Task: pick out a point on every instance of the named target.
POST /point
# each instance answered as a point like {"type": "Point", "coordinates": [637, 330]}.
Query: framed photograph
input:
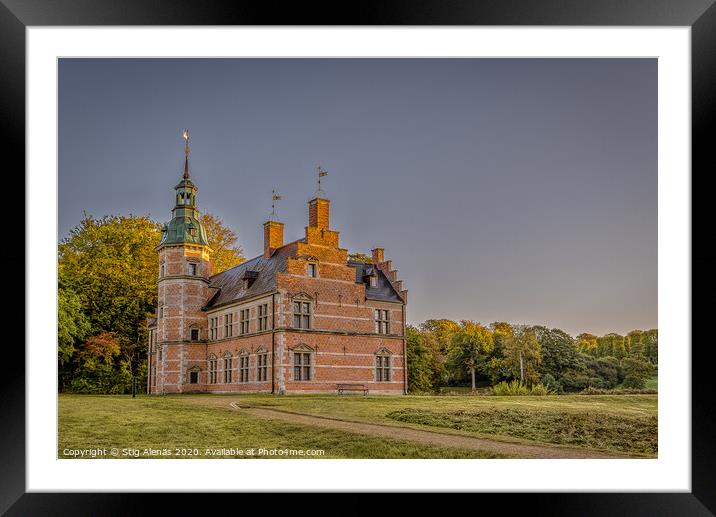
{"type": "Point", "coordinates": [422, 250]}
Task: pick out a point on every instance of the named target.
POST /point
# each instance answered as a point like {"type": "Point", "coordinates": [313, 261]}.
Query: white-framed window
{"type": "Point", "coordinates": [373, 281]}
{"type": "Point", "coordinates": [228, 324]}
{"type": "Point", "coordinates": [382, 321]}
{"type": "Point", "coordinates": [212, 369]}
{"type": "Point", "coordinates": [312, 269]}
{"type": "Point", "coordinates": [301, 315]}
{"type": "Point", "coordinates": [262, 367]}
{"type": "Point", "coordinates": [302, 365]}
{"type": "Point", "coordinates": [263, 316]}
{"type": "Point", "coordinates": [382, 367]}
{"type": "Point", "coordinates": [213, 327]}
{"type": "Point", "coordinates": [194, 334]}
{"type": "Point", "coordinates": [192, 268]}
{"type": "Point", "coordinates": [244, 321]}
{"type": "Point", "coordinates": [227, 368]}
{"type": "Point", "coordinates": [244, 367]}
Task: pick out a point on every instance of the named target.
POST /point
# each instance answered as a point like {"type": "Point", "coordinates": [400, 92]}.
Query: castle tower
{"type": "Point", "coordinates": [184, 271]}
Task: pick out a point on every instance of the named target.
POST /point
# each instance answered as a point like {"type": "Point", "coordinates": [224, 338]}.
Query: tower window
{"type": "Point", "coordinates": [312, 270]}
{"type": "Point", "coordinates": [192, 269]}
{"type": "Point", "coordinates": [161, 271]}
{"type": "Point", "coordinates": [195, 334]}
{"type": "Point", "coordinates": [194, 377]}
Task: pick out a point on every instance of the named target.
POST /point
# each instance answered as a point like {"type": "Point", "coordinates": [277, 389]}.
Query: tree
{"type": "Point", "coordinates": [650, 339]}
{"type": "Point", "coordinates": [225, 253]}
{"type": "Point", "coordinates": [437, 334]}
{"type": "Point", "coordinates": [72, 325]}
{"type": "Point", "coordinates": [360, 257]}
{"type": "Point", "coordinates": [587, 344]}
{"type": "Point", "coordinates": [522, 354]}
{"type": "Point", "coordinates": [111, 263]}
{"type": "Point", "coordinates": [419, 361]}
{"type": "Point", "coordinates": [636, 372]}
{"type": "Point", "coordinates": [558, 350]}
{"type": "Point", "coordinates": [469, 347]}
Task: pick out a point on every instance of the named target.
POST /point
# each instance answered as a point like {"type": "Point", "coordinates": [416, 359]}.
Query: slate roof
{"type": "Point", "coordinates": [230, 283]}
{"type": "Point", "coordinates": [383, 289]}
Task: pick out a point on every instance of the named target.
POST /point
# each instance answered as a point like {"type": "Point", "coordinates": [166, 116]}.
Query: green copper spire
{"type": "Point", "coordinates": [184, 228]}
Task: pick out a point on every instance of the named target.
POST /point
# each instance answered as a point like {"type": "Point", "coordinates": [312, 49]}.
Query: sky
{"type": "Point", "coordinates": [519, 190]}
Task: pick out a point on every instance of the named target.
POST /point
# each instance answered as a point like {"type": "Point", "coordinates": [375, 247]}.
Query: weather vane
{"type": "Point", "coordinates": [274, 197]}
{"type": "Point", "coordinates": [321, 173]}
{"type": "Point", "coordinates": [185, 135]}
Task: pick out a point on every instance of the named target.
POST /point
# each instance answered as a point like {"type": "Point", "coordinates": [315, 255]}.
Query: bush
{"type": "Point", "coordinates": [617, 391]}
{"type": "Point", "coordinates": [510, 389]}
{"type": "Point", "coordinates": [517, 388]}
{"type": "Point", "coordinates": [551, 383]}
{"type": "Point", "coordinates": [634, 381]}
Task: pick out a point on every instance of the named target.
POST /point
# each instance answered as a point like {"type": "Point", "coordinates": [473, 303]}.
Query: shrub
{"type": "Point", "coordinates": [517, 388]}
{"type": "Point", "coordinates": [510, 389]}
{"type": "Point", "coordinates": [551, 383]}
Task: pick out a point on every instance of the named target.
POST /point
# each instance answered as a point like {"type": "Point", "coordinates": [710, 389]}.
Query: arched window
{"type": "Point", "coordinates": [212, 369]}
{"type": "Point", "coordinates": [227, 367]}
{"type": "Point", "coordinates": [382, 365]}
{"type": "Point", "coordinates": [303, 363]}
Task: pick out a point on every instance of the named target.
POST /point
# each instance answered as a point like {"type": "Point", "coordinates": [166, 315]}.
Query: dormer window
{"type": "Point", "coordinates": [312, 270]}
{"type": "Point", "coordinates": [249, 277]}
{"type": "Point", "coordinates": [372, 281]}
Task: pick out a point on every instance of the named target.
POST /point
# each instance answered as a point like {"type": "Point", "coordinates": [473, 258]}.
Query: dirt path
{"type": "Point", "coordinates": [427, 437]}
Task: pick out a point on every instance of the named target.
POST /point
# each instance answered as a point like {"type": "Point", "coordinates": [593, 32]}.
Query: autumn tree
{"type": "Point", "coordinates": [419, 361]}
{"type": "Point", "coordinates": [360, 257]}
{"type": "Point", "coordinates": [469, 347]}
{"type": "Point", "coordinates": [522, 354]}
{"type": "Point", "coordinates": [225, 253]}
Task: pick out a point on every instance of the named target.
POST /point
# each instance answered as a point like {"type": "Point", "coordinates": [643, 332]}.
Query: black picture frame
{"type": "Point", "coordinates": [700, 15]}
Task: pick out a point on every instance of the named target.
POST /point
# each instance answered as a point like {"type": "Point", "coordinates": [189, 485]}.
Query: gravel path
{"type": "Point", "coordinates": [428, 437]}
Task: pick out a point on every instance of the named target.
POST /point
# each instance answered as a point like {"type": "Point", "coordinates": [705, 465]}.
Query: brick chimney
{"type": "Point", "coordinates": [318, 211]}
{"type": "Point", "coordinates": [273, 237]}
{"type": "Point", "coordinates": [378, 255]}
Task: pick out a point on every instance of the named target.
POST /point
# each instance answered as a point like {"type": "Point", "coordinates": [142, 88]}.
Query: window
{"type": "Point", "coordinates": [213, 327]}
{"type": "Point", "coordinates": [261, 367]}
{"type": "Point", "coordinates": [301, 366]}
{"type": "Point", "coordinates": [212, 370]}
{"type": "Point", "coordinates": [192, 269]}
{"type": "Point", "coordinates": [302, 315]}
{"type": "Point", "coordinates": [161, 312]}
{"type": "Point", "coordinates": [161, 271]}
{"type": "Point", "coordinates": [244, 368]}
{"type": "Point", "coordinates": [312, 270]}
{"type": "Point", "coordinates": [244, 321]}
{"type": "Point", "coordinates": [160, 353]}
{"type": "Point", "coordinates": [228, 324]}
{"type": "Point", "coordinates": [382, 368]}
{"type": "Point", "coordinates": [382, 321]}
{"type": "Point", "coordinates": [194, 334]}
{"type": "Point", "coordinates": [227, 369]}
{"type": "Point", "coordinates": [194, 377]}
{"type": "Point", "coordinates": [373, 281]}
{"type": "Point", "coordinates": [263, 317]}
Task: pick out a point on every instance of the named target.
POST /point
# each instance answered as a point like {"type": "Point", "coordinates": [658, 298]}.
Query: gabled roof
{"type": "Point", "coordinates": [383, 289]}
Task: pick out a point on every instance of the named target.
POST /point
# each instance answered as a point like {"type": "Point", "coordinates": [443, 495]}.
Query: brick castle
{"type": "Point", "coordinates": [300, 318]}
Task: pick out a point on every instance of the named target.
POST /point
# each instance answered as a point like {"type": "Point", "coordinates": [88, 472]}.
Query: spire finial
{"type": "Point", "coordinates": [321, 173]}
{"type": "Point", "coordinates": [185, 135]}
{"type": "Point", "coordinates": [274, 197]}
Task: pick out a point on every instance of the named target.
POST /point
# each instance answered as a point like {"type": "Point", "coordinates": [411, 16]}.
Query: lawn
{"type": "Point", "coordinates": [616, 423]}
{"type": "Point", "coordinates": [197, 426]}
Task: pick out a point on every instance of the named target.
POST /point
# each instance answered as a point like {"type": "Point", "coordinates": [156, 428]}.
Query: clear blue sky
{"type": "Point", "coordinates": [520, 190]}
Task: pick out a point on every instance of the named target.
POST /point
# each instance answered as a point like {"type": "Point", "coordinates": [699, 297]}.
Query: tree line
{"type": "Point", "coordinates": [443, 352]}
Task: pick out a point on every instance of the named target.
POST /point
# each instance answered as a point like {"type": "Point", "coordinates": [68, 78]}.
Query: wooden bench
{"type": "Point", "coordinates": [351, 387]}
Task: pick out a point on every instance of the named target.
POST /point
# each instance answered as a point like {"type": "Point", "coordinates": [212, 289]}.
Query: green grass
{"type": "Point", "coordinates": [580, 429]}
{"type": "Point", "coordinates": [206, 422]}
{"type": "Point", "coordinates": [621, 423]}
